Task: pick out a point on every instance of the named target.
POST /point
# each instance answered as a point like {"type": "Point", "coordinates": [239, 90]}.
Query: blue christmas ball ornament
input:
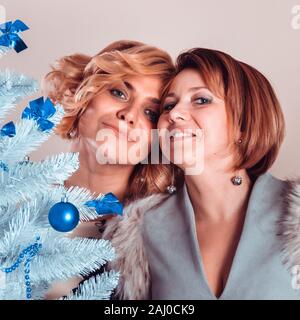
{"type": "Point", "coordinates": [63, 216]}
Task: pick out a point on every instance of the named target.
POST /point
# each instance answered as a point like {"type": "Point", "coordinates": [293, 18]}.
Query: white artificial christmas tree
{"type": "Point", "coordinates": [33, 254]}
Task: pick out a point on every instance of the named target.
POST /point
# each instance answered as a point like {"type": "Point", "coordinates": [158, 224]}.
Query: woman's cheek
{"type": "Point", "coordinates": [88, 125]}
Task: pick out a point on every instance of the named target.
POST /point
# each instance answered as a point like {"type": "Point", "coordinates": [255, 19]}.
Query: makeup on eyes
{"type": "Point", "coordinates": [202, 93]}
{"type": "Point", "coordinates": [203, 99]}
{"type": "Point", "coordinates": [150, 111]}
{"type": "Point", "coordinates": [117, 88]}
{"type": "Point", "coordinates": [118, 93]}
{"type": "Point", "coordinates": [152, 114]}
{"type": "Point", "coordinates": [206, 99]}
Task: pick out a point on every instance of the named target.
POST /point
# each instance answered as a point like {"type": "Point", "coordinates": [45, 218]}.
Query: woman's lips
{"type": "Point", "coordinates": [181, 133]}
{"type": "Point", "coordinates": [109, 126]}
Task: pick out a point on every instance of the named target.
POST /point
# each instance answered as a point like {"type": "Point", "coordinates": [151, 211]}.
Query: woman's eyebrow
{"type": "Point", "coordinates": [129, 86]}
{"type": "Point", "coordinates": [171, 94]}
{"type": "Point", "coordinates": [155, 101]}
{"type": "Point", "coordinates": [197, 88]}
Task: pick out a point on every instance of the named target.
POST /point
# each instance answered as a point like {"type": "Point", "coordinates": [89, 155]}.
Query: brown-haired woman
{"type": "Point", "coordinates": [232, 230]}
{"type": "Point", "coordinates": [117, 90]}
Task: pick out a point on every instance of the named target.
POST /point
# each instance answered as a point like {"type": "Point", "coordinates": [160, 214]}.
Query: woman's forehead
{"type": "Point", "coordinates": [186, 80]}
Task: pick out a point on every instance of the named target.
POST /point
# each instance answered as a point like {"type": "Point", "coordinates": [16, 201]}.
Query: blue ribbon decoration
{"type": "Point", "coordinates": [107, 205]}
{"type": "Point", "coordinates": [10, 37]}
{"type": "Point", "coordinates": [40, 111]}
{"type": "Point", "coordinates": [8, 129]}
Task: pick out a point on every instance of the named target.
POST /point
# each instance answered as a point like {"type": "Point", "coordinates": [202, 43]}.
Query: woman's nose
{"type": "Point", "coordinates": [128, 114]}
{"type": "Point", "coordinates": [178, 113]}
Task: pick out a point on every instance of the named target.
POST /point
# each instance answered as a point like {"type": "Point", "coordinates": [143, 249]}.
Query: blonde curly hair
{"type": "Point", "coordinates": [76, 79]}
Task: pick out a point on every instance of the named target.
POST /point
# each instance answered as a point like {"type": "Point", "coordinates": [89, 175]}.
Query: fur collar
{"type": "Point", "coordinates": [289, 224]}
{"type": "Point", "coordinates": [125, 235]}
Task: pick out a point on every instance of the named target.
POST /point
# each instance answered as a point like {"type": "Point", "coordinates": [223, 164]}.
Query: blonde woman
{"type": "Point", "coordinates": [231, 231]}
{"type": "Point", "coordinates": [117, 90]}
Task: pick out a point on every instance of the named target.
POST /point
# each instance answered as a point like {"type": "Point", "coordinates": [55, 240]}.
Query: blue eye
{"type": "Point", "coordinates": [202, 100]}
{"type": "Point", "coordinates": [152, 115]}
{"type": "Point", "coordinates": [118, 93]}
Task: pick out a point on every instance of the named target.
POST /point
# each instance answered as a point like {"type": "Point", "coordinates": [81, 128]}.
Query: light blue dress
{"type": "Point", "coordinates": [257, 271]}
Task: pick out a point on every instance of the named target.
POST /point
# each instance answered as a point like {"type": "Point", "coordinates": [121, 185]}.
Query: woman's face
{"type": "Point", "coordinates": [189, 106]}
{"type": "Point", "coordinates": [118, 121]}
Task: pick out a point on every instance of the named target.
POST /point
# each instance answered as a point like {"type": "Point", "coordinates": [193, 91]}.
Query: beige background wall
{"type": "Point", "coordinates": [257, 31]}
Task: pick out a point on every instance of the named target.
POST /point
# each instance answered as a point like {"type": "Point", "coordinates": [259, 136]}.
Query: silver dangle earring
{"type": "Point", "coordinates": [237, 180]}
{"type": "Point", "coordinates": [172, 188]}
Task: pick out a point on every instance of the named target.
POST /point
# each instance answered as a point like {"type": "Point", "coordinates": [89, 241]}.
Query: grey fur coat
{"type": "Point", "coordinates": [126, 236]}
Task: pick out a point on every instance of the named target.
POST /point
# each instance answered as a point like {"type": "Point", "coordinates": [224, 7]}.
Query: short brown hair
{"type": "Point", "coordinates": [253, 110]}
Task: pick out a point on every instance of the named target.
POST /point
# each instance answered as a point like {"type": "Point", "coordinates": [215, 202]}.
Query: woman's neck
{"type": "Point", "coordinates": [101, 178]}
{"type": "Point", "coordinates": [214, 197]}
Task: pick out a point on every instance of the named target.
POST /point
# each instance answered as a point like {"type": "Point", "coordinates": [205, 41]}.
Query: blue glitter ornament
{"type": "Point", "coordinates": [63, 216]}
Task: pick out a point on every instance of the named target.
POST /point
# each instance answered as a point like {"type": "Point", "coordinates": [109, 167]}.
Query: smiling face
{"type": "Point", "coordinates": [188, 106]}
{"type": "Point", "coordinates": [124, 113]}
